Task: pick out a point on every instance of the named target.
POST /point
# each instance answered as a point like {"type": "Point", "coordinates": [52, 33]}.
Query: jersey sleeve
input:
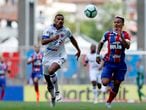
{"type": "Point", "coordinates": [105, 37]}
{"type": "Point", "coordinates": [46, 34]}
{"type": "Point", "coordinates": [126, 36]}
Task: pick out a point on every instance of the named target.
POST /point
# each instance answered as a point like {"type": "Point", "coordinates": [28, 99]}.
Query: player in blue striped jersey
{"type": "Point", "coordinates": [114, 62]}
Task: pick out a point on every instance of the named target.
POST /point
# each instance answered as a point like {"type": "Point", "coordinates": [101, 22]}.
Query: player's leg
{"type": "Point", "coordinates": [114, 91]}
{"type": "Point", "coordinates": [118, 78]}
{"type": "Point", "coordinates": [54, 67]}
{"type": "Point", "coordinates": [50, 85]}
{"type": "Point", "coordinates": [36, 87]}
{"type": "Point", "coordinates": [95, 92]}
{"type": "Point", "coordinates": [106, 78]}
{"type": "Point", "coordinates": [139, 94]}
{"type": "Point", "coordinates": [56, 64]}
{"type": "Point", "coordinates": [93, 78]}
{"type": "Point", "coordinates": [98, 81]}
{"type": "Point", "coordinates": [2, 86]}
{"type": "Point", "coordinates": [35, 84]}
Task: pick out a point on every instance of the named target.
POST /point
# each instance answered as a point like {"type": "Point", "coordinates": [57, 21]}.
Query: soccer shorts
{"type": "Point", "coordinates": [59, 60]}
{"type": "Point", "coordinates": [37, 74]}
{"type": "Point", "coordinates": [2, 81]}
{"type": "Point", "coordinates": [95, 75]}
{"type": "Point", "coordinates": [115, 70]}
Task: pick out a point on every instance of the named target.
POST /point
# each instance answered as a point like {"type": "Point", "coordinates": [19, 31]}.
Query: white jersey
{"type": "Point", "coordinates": [55, 48]}
{"type": "Point", "coordinates": [94, 72]}
{"type": "Point", "coordinates": [91, 59]}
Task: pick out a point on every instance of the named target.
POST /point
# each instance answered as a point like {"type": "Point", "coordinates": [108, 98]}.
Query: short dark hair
{"type": "Point", "coordinates": [59, 14]}
{"type": "Point", "coordinates": [122, 19]}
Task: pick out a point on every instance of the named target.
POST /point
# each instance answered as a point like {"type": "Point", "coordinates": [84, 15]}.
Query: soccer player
{"type": "Point", "coordinates": [53, 39]}
{"type": "Point", "coordinates": [140, 80]}
{"type": "Point", "coordinates": [3, 71]}
{"type": "Point", "coordinates": [94, 71]}
{"type": "Point", "coordinates": [114, 61]}
{"type": "Point", "coordinates": [36, 61]}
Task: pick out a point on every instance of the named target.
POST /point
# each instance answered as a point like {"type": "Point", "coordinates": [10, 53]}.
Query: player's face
{"type": "Point", "coordinates": [118, 24]}
{"type": "Point", "coordinates": [93, 49]}
{"type": "Point", "coordinates": [37, 49]}
{"type": "Point", "coordinates": [59, 21]}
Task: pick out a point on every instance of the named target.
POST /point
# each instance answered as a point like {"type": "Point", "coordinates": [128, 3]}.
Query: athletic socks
{"type": "Point", "coordinates": [95, 93]}
{"type": "Point", "coordinates": [54, 81]}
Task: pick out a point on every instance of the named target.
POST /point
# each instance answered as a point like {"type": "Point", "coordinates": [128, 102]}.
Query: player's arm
{"type": "Point", "coordinates": [100, 45]}
{"type": "Point", "coordinates": [86, 61]}
{"type": "Point", "coordinates": [101, 65]}
{"type": "Point", "coordinates": [31, 59]}
{"type": "Point", "coordinates": [45, 40]}
{"type": "Point", "coordinates": [125, 42]}
{"type": "Point", "coordinates": [98, 57]}
{"type": "Point", "coordinates": [75, 44]}
{"type": "Point", "coordinates": [125, 39]}
{"type": "Point", "coordinates": [8, 71]}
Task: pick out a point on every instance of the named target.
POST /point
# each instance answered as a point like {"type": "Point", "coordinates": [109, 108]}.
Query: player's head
{"type": "Point", "coordinates": [93, 48]}
{"type": "Point", "coordinates": [59, 20]}
{"type": "Point", "coordinates": [36, 48]}
{"type": "Point", "coordinates": [118, 22]}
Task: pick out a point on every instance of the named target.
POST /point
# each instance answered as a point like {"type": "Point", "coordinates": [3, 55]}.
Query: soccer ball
{"type": "Point", "coordinates": [90, 11]}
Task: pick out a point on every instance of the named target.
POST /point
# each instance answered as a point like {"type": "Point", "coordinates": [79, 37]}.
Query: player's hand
{"type": "Point", "coordinates": [98, 59]}
{"type": "Point", "coordinates": [56, 37]}
{"type": "Point", "coordinates": [119, 32]}
{"type": "Point", "coordinates": [78, 54]}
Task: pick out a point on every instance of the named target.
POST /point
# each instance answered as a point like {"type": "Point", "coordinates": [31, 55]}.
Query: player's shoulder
{"type": "Point", "coordinates": [127, 35]}
{"type": "Point", "coordinates": [125, 32]}
{"type": "Point", "coordinates": [49, 27]}
{"type": "Point", "coordinates": [108, 32]}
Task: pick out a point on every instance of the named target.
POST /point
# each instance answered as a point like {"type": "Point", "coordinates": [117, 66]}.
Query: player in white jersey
{"type": "Point", "coordinates": [94, 70]}
{"type": "Point", "coordinates": [53, 39]}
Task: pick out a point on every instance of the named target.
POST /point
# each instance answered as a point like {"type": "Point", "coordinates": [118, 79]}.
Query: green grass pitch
{"type": "Point", "coordinates": [69, 106]}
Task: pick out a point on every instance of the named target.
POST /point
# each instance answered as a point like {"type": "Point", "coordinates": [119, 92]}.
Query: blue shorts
{"type": "Point", "coordinates": [36, 75]}
{"type": "Point", "coordinates": [2, 81]}
{"type": "Point", "coordinates": [115, 70]}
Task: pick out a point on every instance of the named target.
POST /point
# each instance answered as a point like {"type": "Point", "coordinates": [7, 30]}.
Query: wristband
{"type": "Point", "coordinates": [97, 55]}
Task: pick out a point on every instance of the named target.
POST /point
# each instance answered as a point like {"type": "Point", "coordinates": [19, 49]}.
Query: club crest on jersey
{"type": "Point", "coordinates": [62, 35]}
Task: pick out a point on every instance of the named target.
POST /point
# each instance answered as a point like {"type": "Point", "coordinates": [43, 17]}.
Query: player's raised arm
{"type": "Point", "coordinates": [125, 42]}
{"type": "Point", "coordinates": [75, 44]}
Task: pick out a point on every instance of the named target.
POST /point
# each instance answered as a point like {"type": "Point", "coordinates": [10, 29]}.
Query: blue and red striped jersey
{"type": "Point", "coordinates": [116, 50]}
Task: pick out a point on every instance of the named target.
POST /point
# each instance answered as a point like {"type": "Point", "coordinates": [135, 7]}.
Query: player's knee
{"type": "Point", "coordinates": [35, 80]}
{"type": "Point", "coordinates": [93, 83]}
{"type": "Point", "coordinates": [105, 81]}
{"type": "Point", "coordinates": [50, 72]}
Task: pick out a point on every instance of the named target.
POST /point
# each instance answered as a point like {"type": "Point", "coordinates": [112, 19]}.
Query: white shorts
{"type": "Point", "coordinates": [95, 75]}
{"type": "Point", "coordinates": [47, 64]}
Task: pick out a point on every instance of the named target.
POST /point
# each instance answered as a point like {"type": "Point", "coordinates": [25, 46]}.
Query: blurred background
{"type": "Point", "coordinates": [23, 21]}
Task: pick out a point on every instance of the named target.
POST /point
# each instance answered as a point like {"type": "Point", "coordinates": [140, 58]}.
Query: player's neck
{"type": "Point", "coordinates": [57, 26]}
